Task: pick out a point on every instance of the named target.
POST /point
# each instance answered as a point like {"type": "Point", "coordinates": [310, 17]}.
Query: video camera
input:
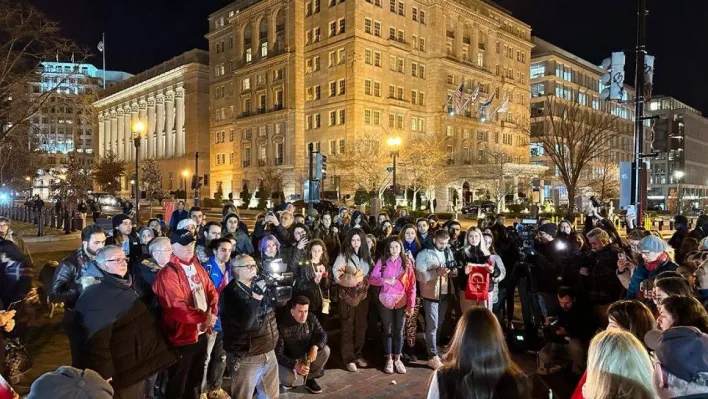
{"type": "Point", "coordinates": [597, 203]}
{"type": "Point", "coordinates": [526, 231]}
{"type": "Point", "coordinates": [278, 281]}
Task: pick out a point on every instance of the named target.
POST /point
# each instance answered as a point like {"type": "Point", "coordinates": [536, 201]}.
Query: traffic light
{"type": "Point", "coordinates": [613, 80]}
{"type": "Point", "coordinates": [320, 166]}
{"type": "Point", "coordinates": [196, 182]}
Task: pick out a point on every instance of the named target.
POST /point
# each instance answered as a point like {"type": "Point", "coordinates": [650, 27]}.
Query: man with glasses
{"type": "Point", "coordinates": [119, 336]}
{"type": "Point", "coordinates": [188, 302]}
{"type": "Point", "coordinates": [66, 285]}
{"type": "Point", "coordinates": [126, 238]}
{"type": "Point", "coordinates": [250, 332]}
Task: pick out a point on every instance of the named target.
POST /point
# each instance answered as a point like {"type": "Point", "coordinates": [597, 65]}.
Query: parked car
{"type": "Point", "coordinates": [323, 206]}
{"type": "Point", "coordinates": [479, 207]}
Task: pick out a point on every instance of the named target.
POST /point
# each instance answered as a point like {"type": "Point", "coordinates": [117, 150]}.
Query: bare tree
{"type": "Point", "coordinates": [573, 136]}
{"type": "Point", "coordinates": [426, 159]}
{"type": "Point", "coordinates": [151, 180]}
{"type": "Point", "coordinates": [74, 183]}
{"type": "Point", "coordinates": [27, 38]}
{"type": "Point", "coordinates": [363, 165]}
{"type": "Point", "coordinates": [271, 181]}
{"type": "Point", "coordinates": [494, 176]}
{"type": "Point", "coordinates": [603, 178]}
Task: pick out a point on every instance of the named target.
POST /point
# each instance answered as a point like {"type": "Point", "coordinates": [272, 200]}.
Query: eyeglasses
{"type": "Point", "coordinates": [250, 266]}
{"type": "Point", "coordinates": [117, 260]}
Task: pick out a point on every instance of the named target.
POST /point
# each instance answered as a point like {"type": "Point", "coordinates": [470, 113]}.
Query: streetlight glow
{"type": "Point", "coordinates": [138, 128]}
{"type": "Point", "coordinates": [394, 141]}
{"type": "Point", "coordinates": [679, 174]}
{"type": "Point", "coordinates": [185, 173]}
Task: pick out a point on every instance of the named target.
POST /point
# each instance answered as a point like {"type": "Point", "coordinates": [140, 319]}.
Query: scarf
{"type": "Point", "coordinates": [652, 266]}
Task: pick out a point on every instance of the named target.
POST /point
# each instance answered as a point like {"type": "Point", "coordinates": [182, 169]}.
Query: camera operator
{"type": "Point", "coordinates": [568, 332]}
{"type": "Point", "coordinates": [250, 331]}
{"type": "Point", "coordinates": [598, 277]}
{"type": "Point", "coordinates": [546, 267]}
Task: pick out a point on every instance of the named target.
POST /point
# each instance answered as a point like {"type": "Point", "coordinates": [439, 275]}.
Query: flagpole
{"type": "Point", "coordinates": [104, 60]}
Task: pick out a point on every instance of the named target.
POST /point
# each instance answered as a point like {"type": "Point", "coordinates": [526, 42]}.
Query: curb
{"type": "Point", "coordinates": [65, 237]}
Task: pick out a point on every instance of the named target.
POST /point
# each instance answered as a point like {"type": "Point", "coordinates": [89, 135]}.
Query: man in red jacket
{"type": "Point", "coordinates": [188, 301]}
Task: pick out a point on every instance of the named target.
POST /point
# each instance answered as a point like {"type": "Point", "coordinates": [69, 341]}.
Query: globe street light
{"type": "Point", "coordinates": [394, 143]}
{"type": "Point", "coordinates": [138, 134]}
{"type": "Point", "coordinates": [678, 175]}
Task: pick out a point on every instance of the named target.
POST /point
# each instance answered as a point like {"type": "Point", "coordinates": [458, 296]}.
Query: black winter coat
{"type": "Point", "coordinates": [144, 276]}
{"type": "Point", "coordinates": [601, 285]}
{"type": "Point", "coordinates": [65, 286]}
{"type": "Point", "coordinates": [120, 337]}
{"type": "Point", "coordinates": [249, 325]}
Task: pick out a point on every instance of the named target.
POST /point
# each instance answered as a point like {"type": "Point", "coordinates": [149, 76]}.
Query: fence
{"type": "Point", "coordinates": [67, 220]}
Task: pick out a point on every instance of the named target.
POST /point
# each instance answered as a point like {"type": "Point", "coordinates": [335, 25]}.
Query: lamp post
{"type": "Point", "coordinates": [678, 175]}
{"type": "Point", "coordinates": [394, 143]}
{"type": "Point", "coordinates": [185, 174]}
{"type": "Point", "coordinates": [138, 133]}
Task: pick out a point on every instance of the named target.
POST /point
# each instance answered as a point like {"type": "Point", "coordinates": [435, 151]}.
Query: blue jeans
{"type": "Point", "coordinates": [433, 322]}
{"type": "Point", "coordinates": [256, 373]}
{"type": "Point", "coordinates": [392, 323]}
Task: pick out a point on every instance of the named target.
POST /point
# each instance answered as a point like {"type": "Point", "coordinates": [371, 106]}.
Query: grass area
{"type": "Point", "coordinates": [30, 230]}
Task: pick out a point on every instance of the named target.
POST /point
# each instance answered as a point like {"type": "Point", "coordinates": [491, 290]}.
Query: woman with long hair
{"type": "Point", "coordinates": [411, 247]}
{"type": "Point", "coordinates": [471, 255]}
{"type": "Point", "coordinates": [497, 271]}
{"type": "Point", "coordinates": [625, 315]}
{"type": "Point", "coordinates": [477, 363]}
{"type": "Point", "coordinates": [619, 367]}
{"type": "Point", "coordinates": [312, 277]}
{"type": "Point", "coordinates": [677, 311]}
{"type": "Point", "coordinates": [329, 233]}
{"type": "Point", "coordinates": [351, 273]}
{"type": "Point", "coordinates": [665, 287]}
{"type": "Point", "coordinates": [394, 274]}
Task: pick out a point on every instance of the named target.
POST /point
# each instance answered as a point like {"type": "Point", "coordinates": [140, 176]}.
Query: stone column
{"type": "Point", "coordinates": [135, 109]}
{"type": "Point", "coordinates": [142, 116]}
{"type": "Point", "coordinates": [101, 138]}
{"type": "Point", "coordinates": [120, 135]}
{"type": "Point", "coordinates": [160, 138]}
{"type": "Point", "coordinates": [179, 125]}
{"type": "Point", "coordinates": [271, 31]}
{"type": "Point", "coordinates": [114, 131]}
{"type": "Point", "coordinates": [106, 131]}
{"type": "Point", "coordinates": [474, 43]}
{"type": "Point", "coordinates": [170, 124]}
{"type": "Point", "coordinates": [151, 127]}
{"type": "Point", "coordinates": [127, 135]}
{"type": "Point", "coordinates": [457, 44]}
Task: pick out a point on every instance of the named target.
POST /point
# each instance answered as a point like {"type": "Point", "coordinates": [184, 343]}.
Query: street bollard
{"type": "Point", "coordinates": [40, 225]}
{"type": "Point", "coordinates": [73, 221]}
{"type": "Point", "coordinates": [52, 219]}
{"type": "Point", "coordinates": [661, 224]}
{"type": "Point", "coordinates": [66, 222]}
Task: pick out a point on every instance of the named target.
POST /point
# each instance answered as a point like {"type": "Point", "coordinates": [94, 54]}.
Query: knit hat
{"type": "Point", "coordinates": [181, 237]}
{"type": "Point", "coordinates": [184, 223]}
{"type": "Point", "coordinates": [312, 213]}
{"type": "Point", "coordinates": [549, 228]}
{"type": "Point", "coordinates": [118, 219]}
{"type": "Point", "coordinates": [683, 351]}
{"type": "Point", "coordinates": [71, 383]}
{"type": "Point", "coordinates": [652, 244]}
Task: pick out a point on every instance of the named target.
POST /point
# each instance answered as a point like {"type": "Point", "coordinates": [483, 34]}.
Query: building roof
{"type": "Point", "coordinates": [667, 103]}
{"type": "Point", "coordinates": [191, 56]}
{"type": "Point", "coordinates": [543, 47]}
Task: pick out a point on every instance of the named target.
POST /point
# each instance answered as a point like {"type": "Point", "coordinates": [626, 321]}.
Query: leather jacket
{"type": "Point", "coordinates": [66, 286]}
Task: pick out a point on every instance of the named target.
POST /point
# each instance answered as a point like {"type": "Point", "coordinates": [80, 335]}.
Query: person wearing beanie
{"type": "Point", "coordinates": [681, 371]}
{"type": "Point", "coordinates": [125, 237]}
{"type": "Point", "coordinates": [70, 383]}
{"type": "Point", "coordinates": [546, 268]}
{"type": "Point", "coordinates": [597, 276]}
{"type": "Point", "coordinates": [656, 257]}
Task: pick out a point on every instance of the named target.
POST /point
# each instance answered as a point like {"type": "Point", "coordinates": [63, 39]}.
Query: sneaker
{"type": "Point", "coordinates": [400, 368]}
{"type": "Point", "coordinates": [351, 367]}
{"type": "Point", "coordinates": [313, 386]}
{"type": "Point", "coordinates": [388, 369]}
{"type": "Point", "coordinates": [218, 394]}
{"type": "Point", "coordinates": [362, 363]}
{"type": "Point", "coordinates": [434, 362]}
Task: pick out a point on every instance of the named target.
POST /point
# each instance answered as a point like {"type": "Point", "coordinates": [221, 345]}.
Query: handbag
{"type": "Point", "coordinates": [478, 283]}
{"type": "Point", "coordinates": [354, 295]}
{"type": "Point", "coordinates": [17, 360]}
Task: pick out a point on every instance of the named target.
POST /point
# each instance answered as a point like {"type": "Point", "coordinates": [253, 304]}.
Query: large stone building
{"type": "Point", "coordinates": [172, 100]}
{"type": "Point", "coordinates": [288, 73]}
{"type": "Point", "coordinates": [65, 123]}
{"type": "Point", "coordinates": [559, 75]}
{"type": "Point", "coordinates": [680, 171]}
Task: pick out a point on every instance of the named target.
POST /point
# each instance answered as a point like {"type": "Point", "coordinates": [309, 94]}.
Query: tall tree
{"type": "Point", "coordinates": [74, 183]}
{"type": "Point", "coordinates": [573, 136]}
{"type": "Point", "coordinates": [107, 171]}
{"type": "Point", "coordinates": [364, 165]}
{"type": "Point", "coordinates": [494, 175]}
{"type": "Point", "coordinates": [426, 158]}
{"type": "Point", "coordinates": [151, 180]}
{"type": "Point", "coordinates": [603, 178]}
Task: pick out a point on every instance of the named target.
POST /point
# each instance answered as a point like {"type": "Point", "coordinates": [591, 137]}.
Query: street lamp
{"type": "Point", "coordinates": [394, 143]}
{"type": "Point", "coordinates": [678, 175]}
{"type": "Point", "coordinates": [185, 174]}
{"type": "Point", "coordinates": [138, 133]}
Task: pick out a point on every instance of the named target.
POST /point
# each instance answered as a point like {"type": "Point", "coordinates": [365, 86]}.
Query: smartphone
{"type": "Point", "coordinates": [13, 305]}
{"type": "Point", "coordinates": [622, 256]}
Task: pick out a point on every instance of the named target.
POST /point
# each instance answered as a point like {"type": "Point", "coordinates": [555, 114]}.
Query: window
{"type": "Point", "coordinates": [231, 158]}
{"type": "Point", "coordinates": [421, 17]}
{"type": "Point", "coordinates": [368, 25]}
{"type": "Point", "coordinates": [480, 59]}
{"type": "Point", "coordinates": [342, 116]}
{"type": "Point", "coordinates": [317, 6]}
{"type": "Point", "coordinates": [391, 91]}
{"type": "Point", "coordinates": [332, 118]}
{"type": "Point", "coordinates": [308, 9]}
{"type": "Point", "coordinates": [368, 87]}
{"type": "Point", "coordinates": [401, 8]}
{"type": "Point", "coordinates": [260, 79]}
{"type": "Point", "coordinates": [377, 118]}
{"type": "Point", "coordinates": [367, 116]}
{"type": "Point", "coordinates": [332, 28]}
{"type": "Point", "coordinates": [401, 65]}
{"type": "Point", "coordinates": [391, 120]}
{"type": "Point", "coordinates": [316, 121]}
{"type": "Point", "coordinates": [341, 146]}
{"type": "Point", "coordinates": [231, 135]}
{"type": "Point", "coordinates": [414, 96]}
{"type": "Point", "coordinates": [392, 63]}
{"type": "Point", "coordinates": [414, 39]}
{"type": "Point", "coordinates": [392, 33]}
{"type": "Point", "coordinates": [538, 69]}
{"type": "Point", "coordinates": [414, 13]}
{"type": "Point", "coordinates": [332, 58]}
{"type": "Point", "coordinates": [246, 84]}
{"type": "Point", "coordinates": [316, 35]}
{"type": "Point", "coordinates": [377, 28]}
{"type": "Point", "coordinates": [264, 49]}
{"type": "Point", "coordinates": [368, 56]}
{"type": "Point", "coordinates": [377, 89]}
{"type": "Point", "coordinates": [333, 88]}
{"type": "Point", "coordinates": [414, 124]}
{"type": "Point", "coordinates": [421, 98]}
{"type": "Point", "coordinates": [279, 154]}
{"type": "Point", "coordinates": [401, 36]}
{"type": "Point", "coordinates": [342, 86]}
{"type": "Point", "coordinates": [399, 121]}
{"type": "Point", "coordinates": [448, 131]}
{"type": "Point", "coordinates": [278, 74]}
{"type": "Point", "coordinates": [341, 56]}
{"type": "Point", "coordinates": [392, 5]}
{"type": "Point", "coordinates": [342, 26]}
{"type": "Point", "coordinates": [377, 59]}
{"type": "Point", "coordinates": [316, 63]}
{"type": "Point", "coordinates": [246, 157]}
{"type": "Point", "coordinates": [332, 147]}
{"type": "Point", "coordinates": [249, 55]}
{"type": "Point", "coordinates": [414, 69]}
{"type": "Point", "coordinates": [421, 44]}
{"type": "Point", "coordinates": [400, 93]}
{"type": "Point", "coordinates": [421, 71]}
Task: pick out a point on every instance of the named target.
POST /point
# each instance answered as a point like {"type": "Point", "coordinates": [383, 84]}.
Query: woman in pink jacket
{"type": "Point", "coordinates": [395, 275]}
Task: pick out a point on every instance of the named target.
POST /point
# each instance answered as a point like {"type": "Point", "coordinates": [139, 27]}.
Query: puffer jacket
{"type": "Point", "coordinates": [121, 338]}
{"type": "Point", "coordinates": [427, 269]}
{"type": "Point", "coordinates": [179, 316]}
{"type": "Point", "coordinates": [65, 285]}
{"type": "Point", "coordinates": [400, 294]}
{"type": "Point", "coordinates": [633, 280]}
{"type": "Point", "coordinates": [145, 274]}
{"type": "Point", "coordinates": [249, 325]}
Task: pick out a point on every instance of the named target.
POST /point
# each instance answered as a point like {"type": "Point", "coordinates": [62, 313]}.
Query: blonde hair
{"type": "Point", "coordinates": [618, 368]}
{"type": "Point", "coordinates": [600, 234]}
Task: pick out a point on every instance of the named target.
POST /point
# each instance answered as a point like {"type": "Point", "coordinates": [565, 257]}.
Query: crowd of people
{"type": "Point", "coordinates": [170, 310]}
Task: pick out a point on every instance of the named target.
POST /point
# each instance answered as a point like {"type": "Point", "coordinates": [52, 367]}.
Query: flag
{"type": "Point", "coordinates": [503, 106]}
{"type": "Point", "coordinates": [100, 46]}
{"type": "Point", "coordinates": [484, 107]}
{"type": "Point", "coordinates": [457, 99]}
{"type": "Point", "coordinates": [472, 97]}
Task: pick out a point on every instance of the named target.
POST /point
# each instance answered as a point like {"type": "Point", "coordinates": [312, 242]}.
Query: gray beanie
{"type": "Point", "coordinates": [652, 244]}
{"type": "Point", "coordinates": [70, 383]}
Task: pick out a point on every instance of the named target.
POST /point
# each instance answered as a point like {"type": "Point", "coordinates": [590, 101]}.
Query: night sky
{"type": "Point", "coordinates": [143, 33]}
